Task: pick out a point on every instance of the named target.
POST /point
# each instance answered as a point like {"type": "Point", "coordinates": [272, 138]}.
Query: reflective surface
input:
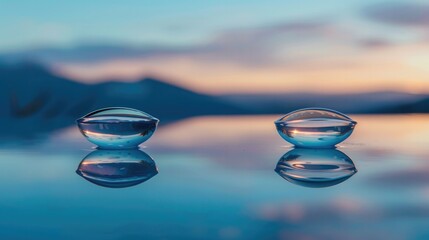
{"type": "Point", "coordinates": [117, 168]}
{"type": "Point", "coordinates": [315, 127]}
{"type": "Point", "coordinates": [117, 128]}
{"type": "Point", "coordinates": [216, 181]}
{"type": "Point", "coordinates": [315, 167]}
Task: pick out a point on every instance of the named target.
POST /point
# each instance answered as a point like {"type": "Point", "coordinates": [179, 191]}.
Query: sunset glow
{"type": "Point", "coordinates": [348, 47]}
{"type": "Point", "coordinates": [400, 68]}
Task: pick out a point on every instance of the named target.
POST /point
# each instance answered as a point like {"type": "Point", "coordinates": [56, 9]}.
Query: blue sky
{"type": "Point", "coordinates": [27, 24]}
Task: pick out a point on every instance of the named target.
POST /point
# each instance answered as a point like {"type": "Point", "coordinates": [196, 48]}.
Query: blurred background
{"type": "Point", "coordinates": [174, 60]}
{"type": "Point", "coordinates": [217, 74]}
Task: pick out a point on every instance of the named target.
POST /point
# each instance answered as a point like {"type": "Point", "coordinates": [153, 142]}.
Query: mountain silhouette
{"type": "Point", "coordinates": [421, 106]}
{"type": "Point", "coordinates": [365, 103]}
{"type": "Point", "coordinates": [34, 100]}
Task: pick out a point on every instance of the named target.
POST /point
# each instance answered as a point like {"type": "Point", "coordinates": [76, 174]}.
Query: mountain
{"type": "Point", "coordinates": [33, 100]}
{"type": "Point", "coordinates": [421, 106]}
{"type": "Point", "coordinates": [373, 102]}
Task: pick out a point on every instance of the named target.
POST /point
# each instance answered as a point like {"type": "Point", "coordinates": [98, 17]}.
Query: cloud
{"type": "Point", "coordinates": [290, 31]}
{"type": "Point", "coordinates": [374, 43]}
{"type": "Point", "coordinates": [92, 53]}
{"type": "Point", "coordinates": [262, 45]}
{"type": "Point", "coordinates": [282, 57]}
{"type": "Point", "coordinates": [399, 13]}
{"type": "Point", "coordinates": [259, 45]}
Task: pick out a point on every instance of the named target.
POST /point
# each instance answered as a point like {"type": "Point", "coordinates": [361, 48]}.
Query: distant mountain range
{"type": "Point", "coordinates": [33, 100]}
{"type": "Point", "coordinates": [362, 103]}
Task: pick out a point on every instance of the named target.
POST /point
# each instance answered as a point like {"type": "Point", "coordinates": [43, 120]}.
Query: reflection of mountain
{"type": "Point", "coordinates": [34, 100]}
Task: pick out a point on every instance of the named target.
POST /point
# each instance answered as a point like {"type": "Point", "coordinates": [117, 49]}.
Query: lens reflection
{"type": "Point", "coordinates": [315, 168]}
{"type": "Point", "coordinates": [117, 168]}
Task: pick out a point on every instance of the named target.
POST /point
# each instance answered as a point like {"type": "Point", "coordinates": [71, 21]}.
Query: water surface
{"type": "Point", "coordinates": [216, 180]}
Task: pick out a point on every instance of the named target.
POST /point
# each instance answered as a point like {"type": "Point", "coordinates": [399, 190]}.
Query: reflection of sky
{"type": "Point", "coordinates": [218, 181]}
{"type": "Point", "coordinates": [223, 46]}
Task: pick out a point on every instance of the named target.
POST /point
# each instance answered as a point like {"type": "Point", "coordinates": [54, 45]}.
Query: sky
{"type": "Point", "coordinates": [223, 47]}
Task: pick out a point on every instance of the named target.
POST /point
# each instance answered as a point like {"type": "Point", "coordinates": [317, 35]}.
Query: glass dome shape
{"type": "Point", "coordinates": [117, 127]}
{"type": "Point", "coordinates": [315, 127]}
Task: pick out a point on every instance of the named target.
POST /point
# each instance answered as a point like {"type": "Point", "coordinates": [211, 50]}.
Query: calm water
{"type": "Point", "coordinates": [216, 180]}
